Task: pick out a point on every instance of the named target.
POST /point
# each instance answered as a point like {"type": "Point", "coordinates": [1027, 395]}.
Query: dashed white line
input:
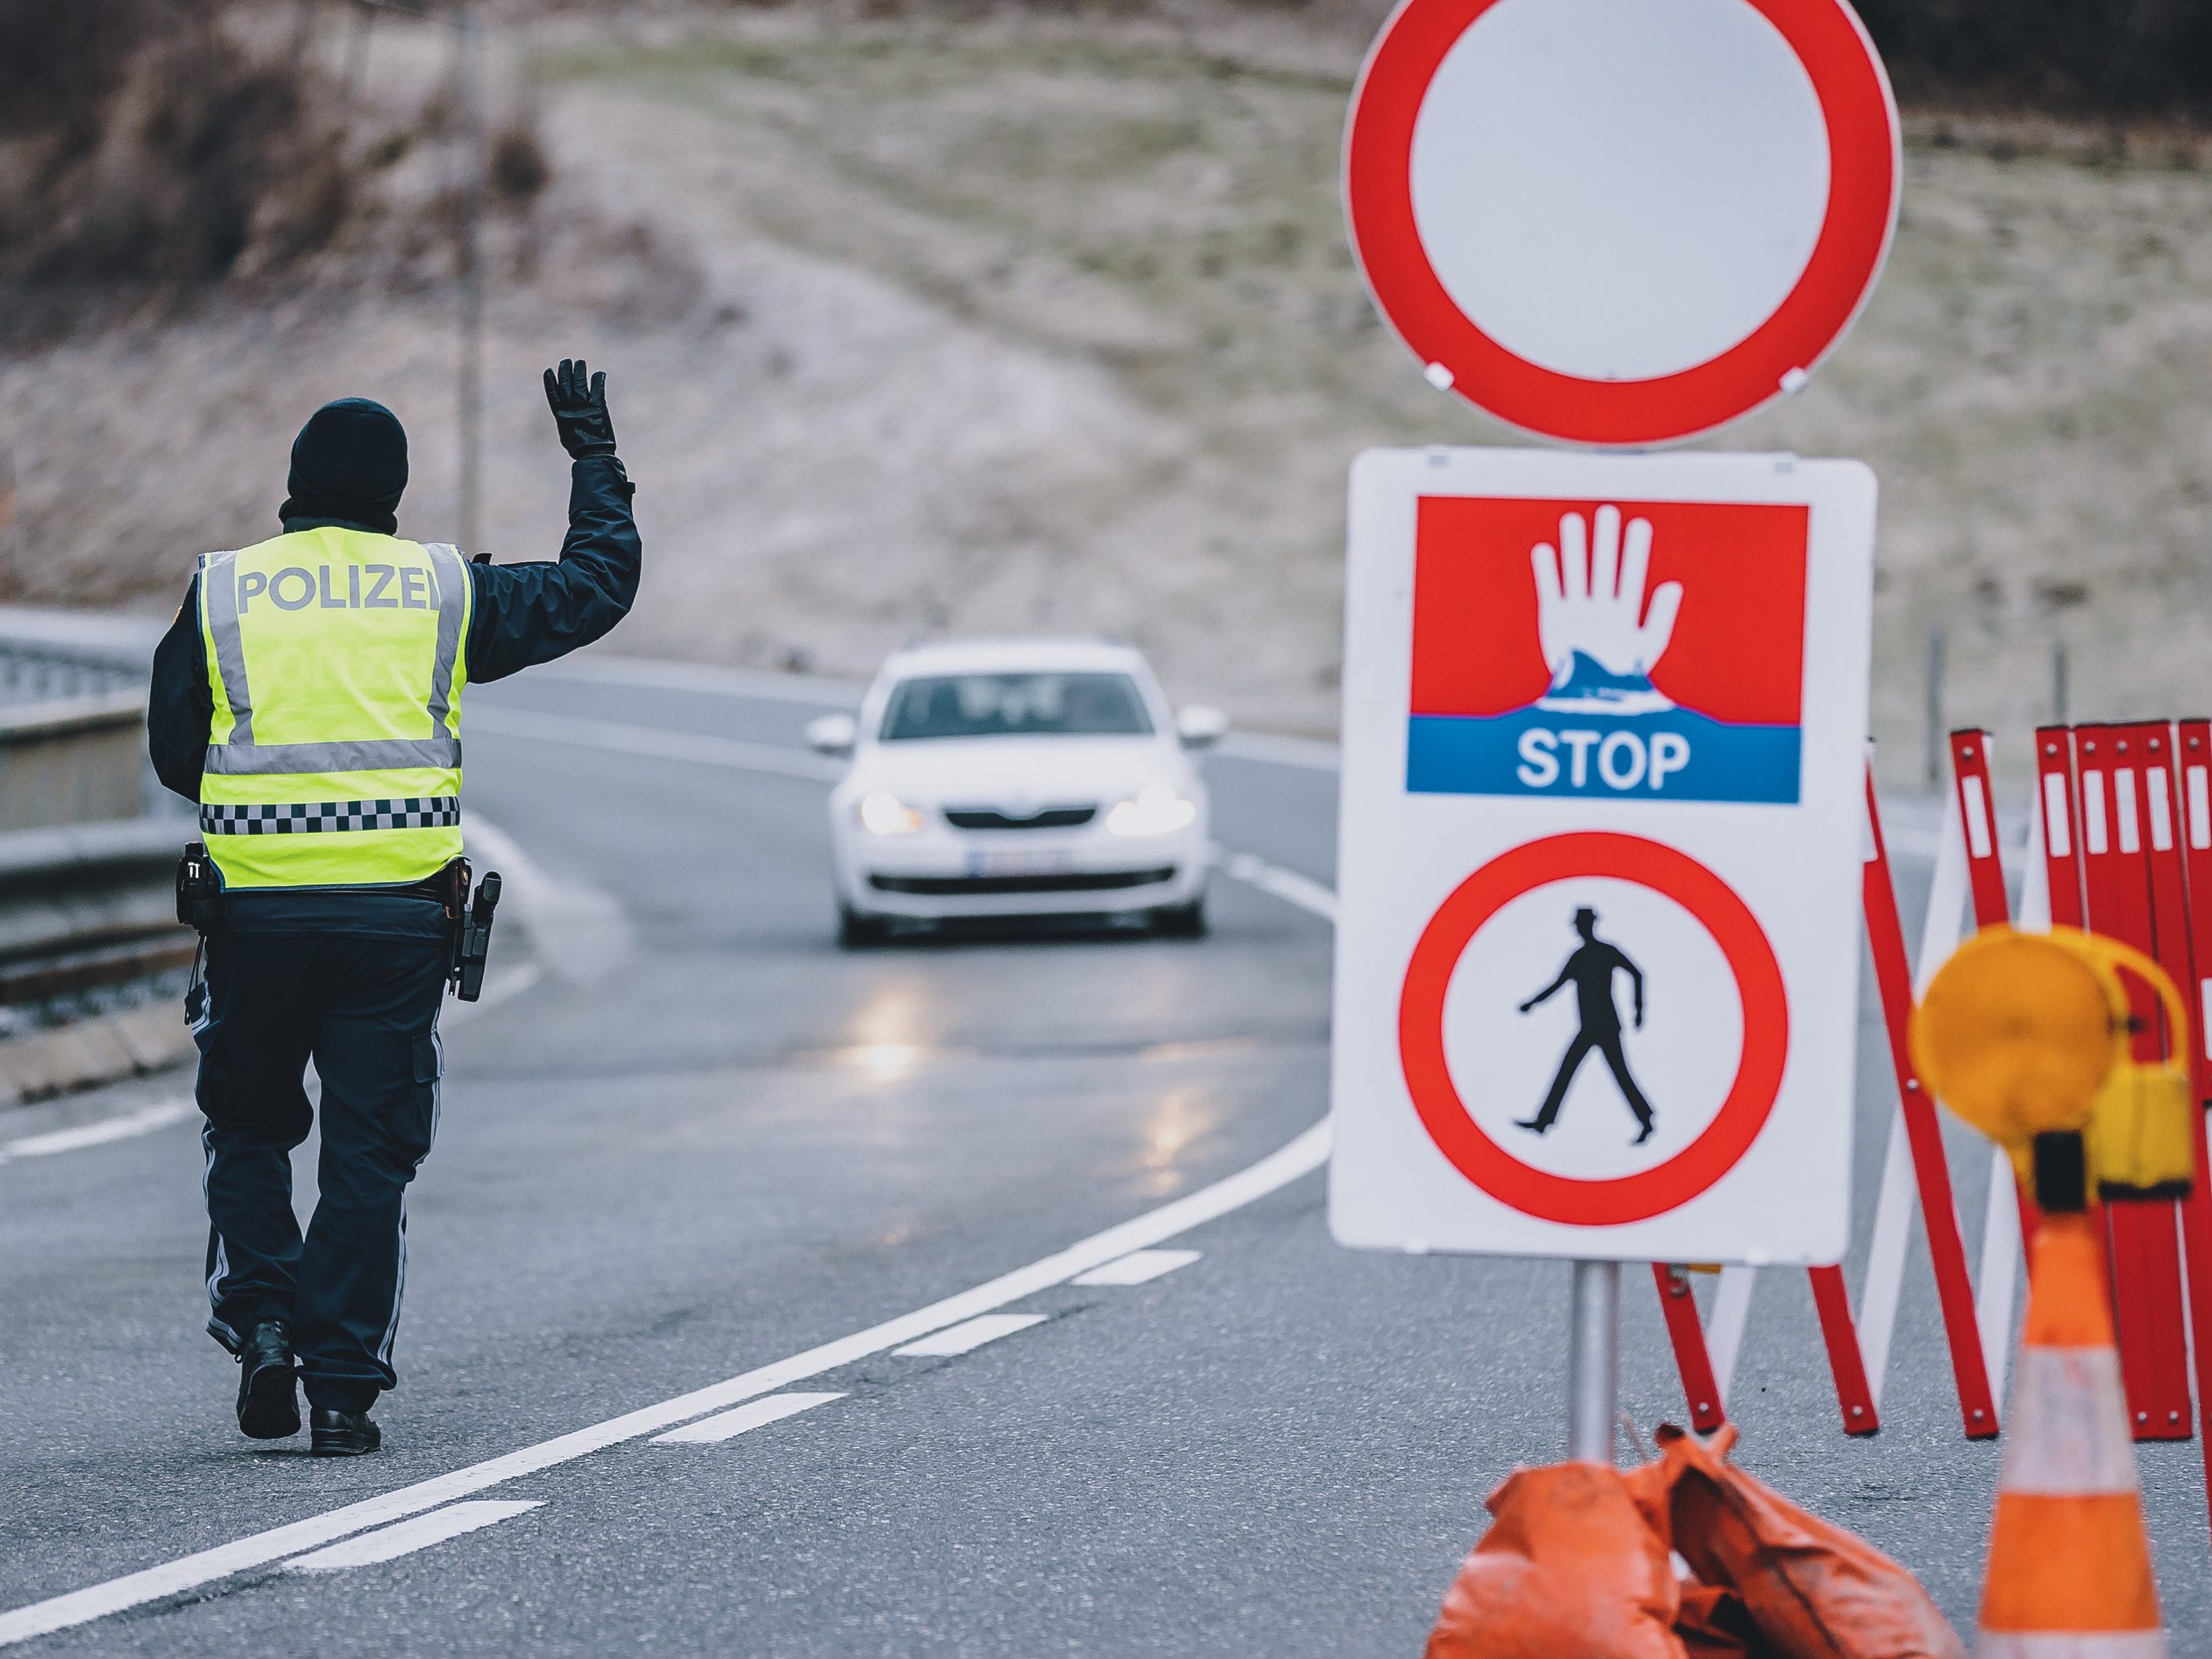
{"type": "Point", "coordinates": [1138, 1267]}
{"type": "Point", "coordinates": [968, 1335]}
{"type": "Point", "coordinates": [390, 1543]}
{"type": "Point", "coordinates": [1271, 1174]}
{"type": "Point", "coordinates": [144, 1121]}
{"type": "Point", "coordinates": [753, 1414]}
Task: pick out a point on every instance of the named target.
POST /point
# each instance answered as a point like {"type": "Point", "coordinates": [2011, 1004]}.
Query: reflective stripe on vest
{"type": "Point", "coordinates": [307, 817]}
{"type": "Point", "coordinates": [336, 664]}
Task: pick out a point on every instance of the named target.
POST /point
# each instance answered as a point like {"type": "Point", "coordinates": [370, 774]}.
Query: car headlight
{"type": "Point", "coordinates": [1155, 810]}
{"type": "Point", "coordinates": [885, 814]}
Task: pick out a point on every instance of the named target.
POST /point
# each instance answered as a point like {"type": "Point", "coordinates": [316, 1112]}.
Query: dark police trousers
{"type": "Point", "coordinates": [364, 1007]}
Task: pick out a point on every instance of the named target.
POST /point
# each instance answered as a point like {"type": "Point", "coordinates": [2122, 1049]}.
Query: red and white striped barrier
{"type": "Point", "coordinates": [2119, 840]}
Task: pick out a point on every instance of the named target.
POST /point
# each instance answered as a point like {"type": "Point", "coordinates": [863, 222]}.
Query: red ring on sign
{"type": "Point", "coordinates": [1750, 1097]}
{"type": "Point", "coordinates": [1860, 115]}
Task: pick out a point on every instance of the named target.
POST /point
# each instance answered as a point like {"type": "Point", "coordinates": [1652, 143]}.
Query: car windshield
{"type": "Point", "coordinates": [1015, 705]}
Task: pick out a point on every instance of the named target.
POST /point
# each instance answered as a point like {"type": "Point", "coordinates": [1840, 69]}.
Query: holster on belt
{"type": "Point", "coordinates": [470, 922]}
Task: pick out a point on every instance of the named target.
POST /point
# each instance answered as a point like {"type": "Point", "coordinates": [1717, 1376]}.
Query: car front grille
{"type": "Point", "coordinates": [1092, 881]}
{"type": "Point", "coordinates": [989, 818]}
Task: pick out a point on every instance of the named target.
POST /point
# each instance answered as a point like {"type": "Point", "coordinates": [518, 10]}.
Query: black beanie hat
{"type": "Point", "coordinates": [349, 462]}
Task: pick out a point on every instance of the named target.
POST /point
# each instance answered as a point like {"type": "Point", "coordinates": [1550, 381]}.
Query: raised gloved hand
{"type": "Point", "coordinates": [580, 408]}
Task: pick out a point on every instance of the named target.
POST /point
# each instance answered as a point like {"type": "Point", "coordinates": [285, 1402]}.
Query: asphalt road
{"type": "Point", "coordinates": [695, 1140]}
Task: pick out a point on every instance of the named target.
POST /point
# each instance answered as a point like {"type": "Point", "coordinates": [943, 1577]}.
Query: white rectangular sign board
{"type": "Point", "coordinates": [1600, 861]}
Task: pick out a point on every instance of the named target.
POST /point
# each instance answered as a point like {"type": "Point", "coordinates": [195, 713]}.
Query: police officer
{"type": "Point", "coordinates": [308, 698]}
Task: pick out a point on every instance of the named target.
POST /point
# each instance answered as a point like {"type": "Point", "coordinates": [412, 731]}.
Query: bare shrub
{"type": "Point", "coordinates": [519, 167]}
{"type": "Point", "coordinates": [142, 143]}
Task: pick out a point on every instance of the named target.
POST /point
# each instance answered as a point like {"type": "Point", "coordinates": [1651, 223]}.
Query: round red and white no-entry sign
{"type": "Point", "coordinates": [1751, 1088]}
{"type": "Point", "coordinates": [1621, 222]}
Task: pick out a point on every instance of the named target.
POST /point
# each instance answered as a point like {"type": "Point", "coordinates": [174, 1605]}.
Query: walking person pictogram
{"type": "Point", "coordinates": [1590, 969]}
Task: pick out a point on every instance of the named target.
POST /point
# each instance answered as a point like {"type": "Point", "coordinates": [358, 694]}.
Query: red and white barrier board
{"type": "Point", "coordinates": [2119, 833]}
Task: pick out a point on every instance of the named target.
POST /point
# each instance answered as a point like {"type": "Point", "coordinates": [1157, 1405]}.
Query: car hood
{"type": "Point", "coordinates": [1032, 772]}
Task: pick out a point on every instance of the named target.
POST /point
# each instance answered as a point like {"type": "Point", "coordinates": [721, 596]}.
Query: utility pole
{"type": "Point", "coordinates": [1937, 750]}
{"type": "Point", "coordinates": [468, 63]}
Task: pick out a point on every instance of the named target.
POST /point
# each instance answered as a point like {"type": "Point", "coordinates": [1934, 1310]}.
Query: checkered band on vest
{"type": "Point", "coordinates": [421, 812]}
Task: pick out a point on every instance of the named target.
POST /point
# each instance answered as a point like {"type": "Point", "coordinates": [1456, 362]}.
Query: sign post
{"type": "Point", "coordinates": [1602, 810]}
{"type": "Point", "coordinates": [1593, 1362]}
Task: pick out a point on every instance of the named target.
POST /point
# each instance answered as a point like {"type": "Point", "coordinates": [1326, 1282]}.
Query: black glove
{"type": "Point", "coordinates": [579, 410]}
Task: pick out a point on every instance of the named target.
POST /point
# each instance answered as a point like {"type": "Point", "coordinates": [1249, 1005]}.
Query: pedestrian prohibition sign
{"type": "Point", "coordinates": [1751, 1094]}
{"type": "Point", "coordinates": [1621, 222]}
{"type": "Point", "coordinates": [1599, 863]}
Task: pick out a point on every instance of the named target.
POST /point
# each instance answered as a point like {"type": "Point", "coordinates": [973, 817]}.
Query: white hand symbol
{"type": "Point", "coordinates": [1598, 610]}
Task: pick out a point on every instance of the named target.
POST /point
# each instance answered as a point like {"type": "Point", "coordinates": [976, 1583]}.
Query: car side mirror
{"type": "Point", "coordinates": [832, 734]}
{"type": "Point", "coordinates": [1201, 726]}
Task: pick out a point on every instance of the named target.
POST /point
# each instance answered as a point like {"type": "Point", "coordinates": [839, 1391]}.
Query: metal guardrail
{"type": "Point", "coordinates": [72, 719]}
{"type": "Point", "coordinates": [77, 760]}
{"type": "Point", "coordinates": [88, 905]}
{"type": "Point", "coordinates": [39, 673]}
{"type": "Point", "coordinates": [86, 874]}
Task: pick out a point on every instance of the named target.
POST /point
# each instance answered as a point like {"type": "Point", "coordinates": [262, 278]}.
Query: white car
{"type": "Point", "coordinates": [1017, 778]}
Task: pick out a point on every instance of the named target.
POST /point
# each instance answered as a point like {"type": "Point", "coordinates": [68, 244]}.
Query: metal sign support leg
{"type": "Point", "coordinates": [1593, 1362]}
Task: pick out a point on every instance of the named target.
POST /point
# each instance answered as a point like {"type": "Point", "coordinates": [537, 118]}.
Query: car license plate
{"type": "Point", "coordinates": [1023, 861]}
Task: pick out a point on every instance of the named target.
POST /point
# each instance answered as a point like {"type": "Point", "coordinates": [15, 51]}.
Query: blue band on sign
{"type": "Point", "coordinates": [1678, 755]}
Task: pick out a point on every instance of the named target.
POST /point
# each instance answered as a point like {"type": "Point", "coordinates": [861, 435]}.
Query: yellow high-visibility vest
{"type": "Point", "coordinates": [336, 658]}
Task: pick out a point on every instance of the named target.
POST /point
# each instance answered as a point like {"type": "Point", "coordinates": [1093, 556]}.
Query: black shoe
{"type": "Point", "coordinates": [1649, 1125]}
{"type": "Point", "coordinates": [267, 1401]}
{"type": "Point", "coordinates": [1534, 1125]}
{"type": "Point", "coordinates": [343, 1434]}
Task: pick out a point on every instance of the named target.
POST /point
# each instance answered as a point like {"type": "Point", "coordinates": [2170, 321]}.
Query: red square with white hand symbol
{"type": "Point", "coordinates": [1629, 649]}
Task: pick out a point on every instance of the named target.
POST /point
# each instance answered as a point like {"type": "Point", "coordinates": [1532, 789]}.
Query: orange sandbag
{"type": "Point", "coordinates": [1813, 1591]}
{"type": "Point", "coordinates": [1714, 1624]}
{"type": "Point", "coordinates": [1569, 1571]}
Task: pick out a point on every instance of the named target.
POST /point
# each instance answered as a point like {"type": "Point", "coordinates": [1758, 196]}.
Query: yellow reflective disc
{"type": "Point", "coordinates": [2017, 1035]}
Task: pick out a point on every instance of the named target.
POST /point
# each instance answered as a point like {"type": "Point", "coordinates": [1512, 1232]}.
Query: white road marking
{"type": "Point", "coordinates": [820, 690]}
{"type": "Point", "coordinates": [968, 1336]}
{"type": "Point", "coordinates": [390, 1543]}
{"type": "Point", "coordinates": [1138, 1267]}
{"type": "Point", "coordinates": [581, 932]}
{"type": "Point", "coordinates": [824, 691]}
{"type": "Point", "coordinates": [1288, 885]}
{"type": "Point", "coordinates": [501, 985]}
{"type": "Point", "coordinates": [1268, 750]}
{"type": "Point", "coordinates": [753, 1414]}
{"type": "Point", "coordinates": [657, 741]}
{"type": "Point", "coordinates": [1271, 1174]}
{"type": "Point", "coordinates": [147, 1119]}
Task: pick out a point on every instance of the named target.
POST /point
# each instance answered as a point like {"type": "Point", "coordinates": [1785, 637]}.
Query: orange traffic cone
{"type": "Point", "coordinates": [2070, 1564]}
